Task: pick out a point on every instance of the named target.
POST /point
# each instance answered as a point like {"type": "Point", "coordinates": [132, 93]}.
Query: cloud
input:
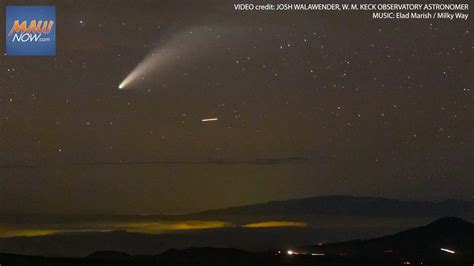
{"type": "Point", "coordinates": [265, 161]}
{"type": "Point", "coordinates": [272, 224]}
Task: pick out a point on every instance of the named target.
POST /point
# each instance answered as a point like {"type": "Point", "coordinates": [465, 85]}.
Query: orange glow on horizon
{"type": "Point", "coordinates": [146, 227]}
{"type": "Point", "coordinates": [162, 227]}
{"type": "Point", "coordinates": [270, 224]}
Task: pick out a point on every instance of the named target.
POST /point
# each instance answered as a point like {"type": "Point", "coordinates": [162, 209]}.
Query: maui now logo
{"type": "Point", "coordinates": [31, 30]}
{"type": "Point", "coordinates": [32, 33]}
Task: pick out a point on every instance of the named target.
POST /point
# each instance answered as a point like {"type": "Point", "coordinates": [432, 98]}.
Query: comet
{"type": "Point", "coordinates": [151, 63]}
{"type": "Point", "coordinates": [180, 48]}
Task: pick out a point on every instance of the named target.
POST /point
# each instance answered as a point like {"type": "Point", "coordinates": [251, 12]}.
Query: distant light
{"type": "Point", "coordinates": [210, 119]}
{"type": "Point", "coordinates": [120, 86]}
{"type": "Point", "coordinates": [291, 252]}
{"type": "Point", "coordinates": [406, 263]}
{"type": "Point", "coordinates": [318, 254]}
{"type": "Point", "coordinates": [448, 250]}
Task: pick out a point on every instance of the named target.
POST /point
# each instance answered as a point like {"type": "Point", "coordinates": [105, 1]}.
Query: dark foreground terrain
{"type": "Point", "coordinates": [447, 241]}
{"type": "Point", "coordinates": [258, 227]}
{"type": "Point", "coordinates": [230, 257]}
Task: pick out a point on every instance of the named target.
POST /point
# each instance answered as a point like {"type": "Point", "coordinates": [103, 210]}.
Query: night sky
{"type": "Point", "coordinates": [308, 104]}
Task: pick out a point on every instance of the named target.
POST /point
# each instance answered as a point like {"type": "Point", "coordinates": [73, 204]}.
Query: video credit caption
{"type": "Point", "coordinates": [444, 11]}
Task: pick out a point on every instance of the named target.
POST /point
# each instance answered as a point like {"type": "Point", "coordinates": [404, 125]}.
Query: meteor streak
{"type": "Point", "coordinates": [448, 250]}
{"type": "Point", "coordinates": [210, 119]}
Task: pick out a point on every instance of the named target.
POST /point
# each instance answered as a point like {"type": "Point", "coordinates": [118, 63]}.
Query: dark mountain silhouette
{"type": "Point", "coordinates": [350, 206]}
{"type": "Point", "coordinates": [214, 256]}
{"type": "Point", "coordinates": [326, 219]}
{"type": "Point", "coordinates": [422, 242]}
{"type": "Point", "coordinates": [108, 254]}
{"type": "Point", "coordinates": [421, 245]}
{"type": "Point", "coordinates": [314, 206]}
